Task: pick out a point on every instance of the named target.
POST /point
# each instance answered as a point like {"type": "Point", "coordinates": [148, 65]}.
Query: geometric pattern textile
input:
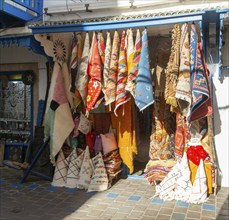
{"type": "Point", "coordinates": [99, 180]}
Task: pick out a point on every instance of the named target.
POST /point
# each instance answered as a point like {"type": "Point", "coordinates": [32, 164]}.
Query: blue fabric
{"type": "Point", "coordinates": [201, 104]}
{"type": "Point", "coordinates": [144, 87]}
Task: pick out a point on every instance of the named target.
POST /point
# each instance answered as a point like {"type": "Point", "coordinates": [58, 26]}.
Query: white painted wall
{"type": "Point", "coordinates": [15, 54]}
{"type": "Point", "coordinates": [221, 122]}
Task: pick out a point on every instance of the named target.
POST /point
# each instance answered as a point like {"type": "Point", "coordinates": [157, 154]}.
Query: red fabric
{"type": "Point", "coordinates": [94, 71]}
{"type": "Point", "coordinates": [90, 140]}
{"type": "Point", "coordinates": [196, 153]}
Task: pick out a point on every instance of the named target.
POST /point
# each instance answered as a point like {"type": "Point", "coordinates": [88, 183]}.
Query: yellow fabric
{"type": "Point", "coordinates": [126, 136]}
{"type": "Point", "coordinates": [125, 123]}
{"type": "Point", "coordinates": [208, 171]}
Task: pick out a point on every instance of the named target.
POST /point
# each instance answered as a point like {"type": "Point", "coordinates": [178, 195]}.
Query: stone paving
{"type": "Point", "coordinates": [129, 198]}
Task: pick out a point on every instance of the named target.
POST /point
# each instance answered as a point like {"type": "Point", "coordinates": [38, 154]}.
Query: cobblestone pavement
{"type": "Point", "coordinates": [129, 198]}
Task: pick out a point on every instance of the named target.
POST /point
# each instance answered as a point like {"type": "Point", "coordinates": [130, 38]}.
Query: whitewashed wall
{"type": "Point", "coordinates": [15, 54]}
{"type": "Point", "coordinates": [221, 119]}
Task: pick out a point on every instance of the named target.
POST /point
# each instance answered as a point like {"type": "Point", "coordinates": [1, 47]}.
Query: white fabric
{"type": "Point", "coordinates": [199, 189]}
{"type": "Point", "coordinates": [165, 190]}
{"type": "Point", "coordinates": [86, 171]}
{"type": "Point", "coordinates": [177, 185]}
{"type": "Point", "coordinates": [183, 184]}
{"type": "Point", "coordinates": [75, 163]}
{"type": "Point", "coordinates": [60, 173]}
{"type": "Point", "coordinates": [99, 180]}
{"type": "Point", "coordinates": [84, 124]}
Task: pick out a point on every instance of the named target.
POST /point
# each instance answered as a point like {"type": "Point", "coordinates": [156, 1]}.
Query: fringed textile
{"type": "Point", "coordinates": [183, 89]}
{"type": "Point", "coordinates": [173, 70]}
{"type": "Point", "coordinates": [122, 96]}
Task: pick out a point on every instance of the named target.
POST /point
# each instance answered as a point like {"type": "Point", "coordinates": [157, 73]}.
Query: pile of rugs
{"type": "Point", "coordinates": [76, 169]}
{"type": "Point", "coordinates": [177, 184]}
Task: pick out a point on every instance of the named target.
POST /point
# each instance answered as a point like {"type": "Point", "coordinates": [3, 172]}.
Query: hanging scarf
{"type": "Point", "coordinates": [121, 95]}
{"type": "Point", "coordinates": [130, 47]}
{"type": "Point", "coordinates": [172, 70]}
{"type": "Point", "coordinates": [94, 71]}
{"type": "Point", "coordinates": [106, 65]}
{"type": "Point", "coordinates": [131, 81]}
{"type": "Point", "coordinates": [113, 71]}
{"type": "Point", "coordinates": [201, 101]}
{"type": "Point", "coordinates": [144, 88]}
{"type": "Point", "coordinates": [74, 62]}
{"type": "Point", "coordinates": [82, 77]}
{"type": "Point", "coordinates": [79, 47]}
{"type": "Point", "coordinates": [183, 89]}
{"type": "Point", "coordinates": [101, 46]}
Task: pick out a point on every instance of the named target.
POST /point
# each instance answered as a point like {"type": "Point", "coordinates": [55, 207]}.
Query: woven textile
{"type": "Point", "coordinates": [94, 71]}
{"type": "Point", "coordinates": [129, 47]}
{"type": "Point", "coordinates": [177, 184]}
{"type": "Point", "coordinates": [199, 189]}
{"type": "Point", "coordinates": [61, 169]}
{"type": "Point", "coordinates": [201, 101]}
{"type": "Point", "coordinates": [183, 89]}
{"type": "Point", "coordinates": [76, 131]}
{"type": "Point", "coordinates": [99, 180]}
{"type": "Point", "coordinates": [58, 119]}
{"type": "Point", "coordinates": [86, 171]}
{"type": "Point", "coordinates": [112, 162]}
{"type": "Point", "coordinates": [98, 145]}
{"type": "Point", "coordinates": [101, 46]}
{"type": "Point", "coordinates": [172, 70]}
{"type": "Point", "coordinates": [82, 76]}
{"type": "Point", "coordinates": [157, 170]}
{"type": "Point", "coordinates": [182, 136]}
{"type": "Point", "coordinates": [74, 165]}
{"type": "Point", "coordinates": [144, 87]}
{"type": "Point", "coordinates": [122, 96]}
{"type": "Point", "coordinates": [76, 53]}
{"type": "Point", "coordinates": [183, 186]}
{"type": "Point", "coordinates": [79, 46]}
{"type": "Point", "coordinates": [162, 137]}
{"type": "Point", "coordinates": [126, 135]}
{"type": "Point", "coordinates": [165, 190]}
{"type": "Point", "coordinates": [106, 64]}
{"type": "Point", "coordinates": [133, 68]}
{"type": "Point", "coordinates": [85, 124]}
{"type": "Point", "coordinates": [113, 71]}
{"type": "Point", "coordinates": [73, 62]}
{"type": "Point", "coordinates": [209, 174]}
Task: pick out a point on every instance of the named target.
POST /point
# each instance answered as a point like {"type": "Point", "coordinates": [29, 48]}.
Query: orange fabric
{"type": "Point", "coordinates": [126, 135]}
